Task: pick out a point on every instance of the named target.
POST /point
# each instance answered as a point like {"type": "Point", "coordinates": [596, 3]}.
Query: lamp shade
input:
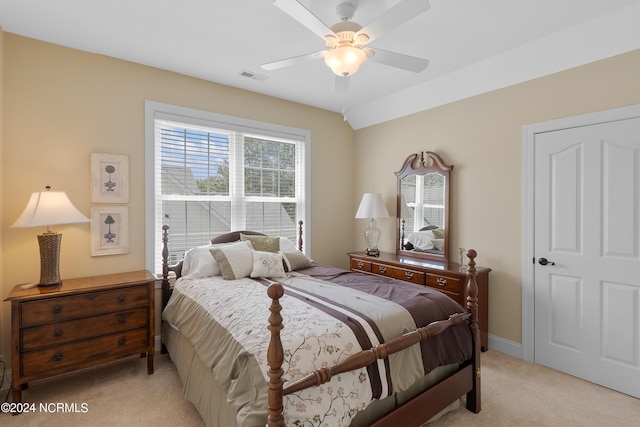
{"type": "Point", "coordinates": [46, 208]}
{"type": "Point", "coordinates": [372, 206]}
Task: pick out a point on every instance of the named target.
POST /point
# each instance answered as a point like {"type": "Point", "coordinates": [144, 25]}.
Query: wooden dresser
{"type": "Point", "coordinates": [446, 277]}
{"type": "Point", "coordinates": [81, 323]}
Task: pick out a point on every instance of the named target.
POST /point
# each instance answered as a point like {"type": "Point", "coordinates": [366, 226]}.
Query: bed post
{"type": "Point", "coordinates": [300, 236]}
{"type": "Point", "coordinates": [275, 357]}
{"type": "Point", "coordinates": [473, 397]}
{"type": "Point", "coordinates": [166, 285]}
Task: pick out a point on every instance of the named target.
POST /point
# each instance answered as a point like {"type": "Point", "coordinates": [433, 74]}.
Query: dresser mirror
{"type": "Point", "coordinates": [423, 207]}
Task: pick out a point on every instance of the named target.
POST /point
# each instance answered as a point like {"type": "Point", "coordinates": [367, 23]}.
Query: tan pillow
{"type": "Point", "coordinates": [262, 243]}
{"type": "Point", "coordinates": [235, 260]}
{"type": "Point", "coordinates": [295, 260]}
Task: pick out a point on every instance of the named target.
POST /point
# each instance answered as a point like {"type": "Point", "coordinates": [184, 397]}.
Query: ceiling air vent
{"type": "Point", "coordinates": [252, 75]}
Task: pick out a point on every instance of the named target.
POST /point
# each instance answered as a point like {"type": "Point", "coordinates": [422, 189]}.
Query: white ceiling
{"type": "Point", "coordinates": [473, 46]}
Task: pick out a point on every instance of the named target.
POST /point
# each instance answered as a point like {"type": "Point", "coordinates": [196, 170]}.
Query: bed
{"type": "Point", "coordinates": [282, 340]}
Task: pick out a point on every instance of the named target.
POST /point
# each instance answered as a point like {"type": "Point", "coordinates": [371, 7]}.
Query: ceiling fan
{"type": "Point", "coordinates": [346, 41]}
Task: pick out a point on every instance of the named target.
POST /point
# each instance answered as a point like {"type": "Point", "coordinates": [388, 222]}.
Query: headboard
{"type": "Point", "coordinates": [232, 236]}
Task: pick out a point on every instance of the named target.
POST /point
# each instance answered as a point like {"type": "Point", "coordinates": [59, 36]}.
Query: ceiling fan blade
{"type": "Point", "coordinates": [304, 16]}
{"type": "Point", "coordinates": [399, 60]}
{"type": "Point", "coordinates": [291, 61]}
{"type": "Point", "coordinates": [394, 17]}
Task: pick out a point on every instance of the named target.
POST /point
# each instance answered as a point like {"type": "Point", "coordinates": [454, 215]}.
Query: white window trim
{"type": "Point", "coordinates": [156, 110]}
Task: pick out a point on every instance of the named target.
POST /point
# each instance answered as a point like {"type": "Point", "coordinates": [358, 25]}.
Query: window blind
{"type": "Point", "coordinates": [211, 178]}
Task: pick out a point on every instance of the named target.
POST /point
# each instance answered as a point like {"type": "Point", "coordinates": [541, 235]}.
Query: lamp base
{"type": "Point", "coordinates": [49, 259]}
{"type": "Point", "coordinates": [372, 252]}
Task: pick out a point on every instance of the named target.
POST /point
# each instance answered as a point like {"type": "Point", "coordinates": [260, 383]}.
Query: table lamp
{"type": "Point", "coordinates": [372, 206]}
{"type": "Point", "coordinates": [47, 208]}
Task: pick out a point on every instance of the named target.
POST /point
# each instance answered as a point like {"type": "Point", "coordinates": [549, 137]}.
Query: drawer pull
{"type": "Point", "coordinates": [57, 332]}
{"type": "Point", "coordinates": [122, 320]}
{"type": "Point", "coordinates": [122, 299]}
{"type": "Point", "coordinates": [408, 274]}
{"type": "Point", "coordinates": [57, 357]}
{"type": "Point", "coordinates": [122, 342]}
{"type": "Point", "coordinates": [57, 308]}
{"type": "Point", "coordinates": [383, 269]}
{"type": "Point", "coordinates": [441, 281]}
{"type": "Point", "coordinates": [360, 264]}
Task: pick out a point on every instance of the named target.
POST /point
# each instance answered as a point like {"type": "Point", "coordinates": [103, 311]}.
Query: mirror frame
{"type": "Point", "coordinates": [428, 162]}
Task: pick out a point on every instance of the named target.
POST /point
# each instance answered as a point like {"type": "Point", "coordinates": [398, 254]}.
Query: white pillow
{"type": "Point", "coordinates": [198, 262]}
{"type": "Point", "coordinates": [421, 239]}
{"type": "Point", "coordinates": [235, 260]}
{"type": "Point", "coordinates": [287, 245]}
{"type": "Point", "coordinates": [267, 264]}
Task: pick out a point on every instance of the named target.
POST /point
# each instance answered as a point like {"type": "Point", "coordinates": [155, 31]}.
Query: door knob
{"type": "Point", "coordinates": [544, 261]}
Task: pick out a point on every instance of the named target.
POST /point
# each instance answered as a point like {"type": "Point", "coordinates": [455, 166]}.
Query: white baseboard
{"type": "Point", "coordinates": [502, 345]}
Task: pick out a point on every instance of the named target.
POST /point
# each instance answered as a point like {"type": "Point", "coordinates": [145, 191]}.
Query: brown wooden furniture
{"type": "Point", "coordinates": [81, 323]}
{"type": "Point", "coordinates": [414, 412]}
{"type": "Point", "coordinates": [423, 204]}
{"type": "Point", "coordinates": [446, 277]}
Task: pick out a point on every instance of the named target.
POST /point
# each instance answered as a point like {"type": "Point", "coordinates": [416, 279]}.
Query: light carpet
{"type": "Point", "coordinates": [514, 393]}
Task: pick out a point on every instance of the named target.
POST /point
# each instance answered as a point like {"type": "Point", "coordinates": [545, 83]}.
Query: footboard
{"type": "Point", "coordinates": [465, 381]}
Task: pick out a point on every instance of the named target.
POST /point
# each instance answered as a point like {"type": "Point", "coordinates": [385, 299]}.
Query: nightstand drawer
{"type": "Point", "coordinates": [398, 273]}
{"type": "Point", "coordinates": [445, 283]}
{"type": "Point", "coordinates": [72, 330]}
{"type": "Point", "coordinates": [87, 304]}
{"type": "Point", "coordinates": [360, 265]}
{"type": "Point", "coordinates": [68, 357]}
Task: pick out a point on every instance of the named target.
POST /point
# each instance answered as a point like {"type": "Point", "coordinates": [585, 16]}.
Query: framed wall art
{"type": "Point", "coordinates": [109, 230]}
{"type": "Point", "coordinates": [109, 178]}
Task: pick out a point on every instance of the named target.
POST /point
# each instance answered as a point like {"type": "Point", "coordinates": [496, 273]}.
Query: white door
{"type": "Point", "coordinates": [587, 227]}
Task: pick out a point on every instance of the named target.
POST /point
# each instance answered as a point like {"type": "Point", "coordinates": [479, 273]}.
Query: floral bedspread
{"type": "Point", "coordinates": [324, 323]}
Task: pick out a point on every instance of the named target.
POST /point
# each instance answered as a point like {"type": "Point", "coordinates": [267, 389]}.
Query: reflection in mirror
{"type": "Point", "coordinates": [423, 207]}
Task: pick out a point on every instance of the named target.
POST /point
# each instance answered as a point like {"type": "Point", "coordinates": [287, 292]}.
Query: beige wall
{"type": "Point", "coordinates": [62, 104]}
{"type": "Point", "coordinates": [3, 308]}
{"type": "Point", "coordinates": [482, 138]}
{"type": "Point", "coordinates": [58, 105]}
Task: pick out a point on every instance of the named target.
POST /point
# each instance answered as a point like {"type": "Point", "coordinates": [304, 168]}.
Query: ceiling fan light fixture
{"type": "Point", "coordinates": [345, 60]}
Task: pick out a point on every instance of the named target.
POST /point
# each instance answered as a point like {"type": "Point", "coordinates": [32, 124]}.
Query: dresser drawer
{"type": "Point", "coordinates": [398, 273]}
{"type": "Point", "coordinates": [445, 283]}
{"type": "Point", "coordinates": [360, 265]}
{"type": "Point", "coordinates": [68, 357]}
{"type": "Point", "coordinates": [75, 306]}
{"type": "Point", "coordinates": [73, 330]}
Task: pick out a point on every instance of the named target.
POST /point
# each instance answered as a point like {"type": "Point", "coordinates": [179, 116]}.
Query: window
{"type": "Point", "coordinates": [209, 174]}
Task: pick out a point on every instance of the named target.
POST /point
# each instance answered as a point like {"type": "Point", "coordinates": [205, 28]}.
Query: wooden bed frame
{"type": "Point", "coordinates": [416, 411]}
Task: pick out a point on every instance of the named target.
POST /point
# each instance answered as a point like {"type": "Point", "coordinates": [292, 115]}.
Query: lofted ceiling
{"type": "Point", "coordinates": [473, 46]}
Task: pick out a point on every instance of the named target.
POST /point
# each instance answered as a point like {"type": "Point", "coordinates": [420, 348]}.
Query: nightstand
{"type": "Point", "coordinates": [446, 277]}
{"type": "Point", "coordinates": [81, 323]}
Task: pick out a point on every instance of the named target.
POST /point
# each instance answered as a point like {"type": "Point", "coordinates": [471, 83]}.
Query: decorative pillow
{"type": "Point", "coordinates": [438, 233]}
{"type": "Point", "coordinates": [295, 260]}
{"type": "Point", "coordinates": [235, 260]}
{"type": "Point", "coordinates": [262, 243]}
{"type": "Point", "coordinates": [438, 244]}
{"type": "Point", "coordinates": [267, 264]}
